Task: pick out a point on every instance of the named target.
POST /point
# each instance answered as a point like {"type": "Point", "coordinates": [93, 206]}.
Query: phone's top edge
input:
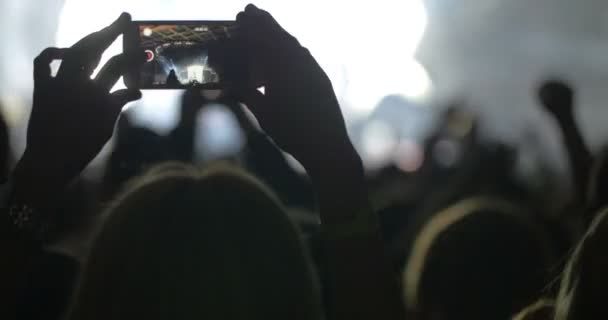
{"type": "Point", "coordinates": [180, 21]}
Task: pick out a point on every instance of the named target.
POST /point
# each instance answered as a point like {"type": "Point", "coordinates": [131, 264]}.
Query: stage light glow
{"type": "Point", "coordinates": [147, 32]}
{"type": "Point", "coordinates": [195, 73]}
{"type": "Point", "coordinates": [218, 134]}
{"type": "Point", "coordinates": [379, 141]}
{"type": "Point", "coordinates": [367, 50]}
{"type": "Point", "coordinates": [409, 155]}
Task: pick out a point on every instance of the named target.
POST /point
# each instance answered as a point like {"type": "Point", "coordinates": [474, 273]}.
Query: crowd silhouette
{"type": "Point", "coordinates": [248, 236]}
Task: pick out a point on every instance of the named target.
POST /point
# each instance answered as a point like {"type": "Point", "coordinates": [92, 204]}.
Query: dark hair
{"type": "Point", "coordinates": [184, 244]}
{"type": "Point", "coordinates": [598, 182]}
{"type": "Point", "coordinates": [478, 259]}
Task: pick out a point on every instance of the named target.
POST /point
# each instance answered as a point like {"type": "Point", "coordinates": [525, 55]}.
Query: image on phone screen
{"type": "Point", "coordinates": [178, 53]}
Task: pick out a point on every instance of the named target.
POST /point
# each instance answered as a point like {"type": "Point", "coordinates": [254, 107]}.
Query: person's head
{"type": "Point", "coordinates": [184, 244]}
{"type": "Point", "coordinates": [597, 189]}
{"type": "Point", "coordinates": [478, 259]}
{"type": "Point", "coordinates": [584, 282]}
{"type": "Point", "coordinates": [5, 150]}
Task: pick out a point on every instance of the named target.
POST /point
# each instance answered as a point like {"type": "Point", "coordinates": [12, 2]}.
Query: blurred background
{"type": "Point", "coordinates": [396, 66]}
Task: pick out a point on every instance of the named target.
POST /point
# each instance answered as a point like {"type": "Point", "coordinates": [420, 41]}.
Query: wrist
{"type": "Point", "coordinates": [341, 188]}
{"type": "Point", "coordinates": [37, 183]}
{"type": "Point", "coordinates": [565, 118]}
{"type": "Point", "coordinates": [567, 123]}
{"type": "Point", "coordinates": [339, 164]}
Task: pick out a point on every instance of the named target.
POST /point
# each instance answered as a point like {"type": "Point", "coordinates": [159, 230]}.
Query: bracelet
{"type": "Point", "coordinates": [26, 222]}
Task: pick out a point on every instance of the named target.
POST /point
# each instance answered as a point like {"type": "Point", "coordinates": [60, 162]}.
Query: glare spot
{"type": "Point", "coordinates": [447, 153]}
{"type": "Point", "coordinates": [195, 73]}
{"type": "Point", "coordinates": [378, 141]}
{"type": "Point", "coordinates": [218, 134]}
{"type": "Point", "coordinates": [409, 156]}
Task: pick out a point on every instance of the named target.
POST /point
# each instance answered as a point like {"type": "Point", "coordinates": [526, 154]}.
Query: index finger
{"type": "Point", "coordinates": [42, 69]}
{"type": "Point", "coordinates": [84, 56]}
{"type": "Point", "coordinates": [96, 43]}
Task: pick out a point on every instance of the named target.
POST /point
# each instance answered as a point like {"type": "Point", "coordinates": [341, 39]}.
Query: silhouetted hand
{"type": "Point", "coordinates": [246, 120]}
{"type": "Point", "coordinates": [73, 116]}
{"type": "Point", "coordinates": [192, 102]}
{"type": "Point", "coordinates": [299, 109]}
{"type": "Point", "coordinates": [557, 98]}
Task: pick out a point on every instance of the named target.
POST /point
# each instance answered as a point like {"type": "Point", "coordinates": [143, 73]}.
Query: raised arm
{"type": "Point", "coordinates": [72, 118]}
{"type": "Point", "coordinates": [181, 138]}
{"type": "Point", "coordinates": [300, 112]}
{"type": "Point", "coordinates": [558, 100]}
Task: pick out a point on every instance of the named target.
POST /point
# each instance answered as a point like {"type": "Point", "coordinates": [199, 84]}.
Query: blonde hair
{"type": "Point", "coordinates": [190, 244]}
{"type": "Point", "coordinates": [542, 309]}
{"type": "Point", "coordinates": [592, 195]}
{"type": "Point", "coordinates": [574, 300]}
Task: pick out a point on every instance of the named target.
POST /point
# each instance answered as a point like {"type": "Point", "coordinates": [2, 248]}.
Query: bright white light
{"type": "Point", "coordinates": [147, 32]}
{"type": "Point", "coordinates": [218, 134]}
{"type": "Point", "coordinates": [409, 156]}
{"type": "Point", "coordinates": [367, 49]}
{"type": "Point", "coordinates": [195, 73]}
{"type": "Point", "coordinates": [379, 51]}
{"type": "Point", "coordinates": [379, 141]}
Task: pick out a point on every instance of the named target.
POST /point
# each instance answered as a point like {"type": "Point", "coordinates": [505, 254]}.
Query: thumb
{"type": "Point", "coordinates": [255, 101]}
{"type": "Point", "coordinates": [259, 105]}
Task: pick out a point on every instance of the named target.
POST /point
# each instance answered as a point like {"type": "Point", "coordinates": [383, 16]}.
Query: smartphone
{"type": "Point", "coordinates": [183, 54]}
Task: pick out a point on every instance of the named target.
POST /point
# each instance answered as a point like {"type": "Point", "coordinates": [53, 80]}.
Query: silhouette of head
{"type": "Point", "coordinates": [184, 244]}
{"type": "Point", "coordinates": [478, 259]}
{"type": "Point", "coordinates": [5, 149]}
{"type": "Point", "coordinates": [597, 190]}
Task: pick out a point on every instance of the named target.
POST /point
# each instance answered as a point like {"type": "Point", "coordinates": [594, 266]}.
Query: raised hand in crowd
{"type": "Point", "coordinates": [300, 112]}
{"type": "Point", "coordinates": [558, 98]}
{"type": "Point", "coordinates": [181, 138]}
{"type": "Point", "coordinates": [72, 118]}
{"type": "Point", "coordinates": [178, 242]}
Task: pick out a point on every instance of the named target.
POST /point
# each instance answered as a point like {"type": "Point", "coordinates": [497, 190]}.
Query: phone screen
{"type": "Point", "coordinates": [179, 53]}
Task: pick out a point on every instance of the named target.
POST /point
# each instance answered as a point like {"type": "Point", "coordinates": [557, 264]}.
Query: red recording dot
{"type": "Point", "coordinates": [149, 55]}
